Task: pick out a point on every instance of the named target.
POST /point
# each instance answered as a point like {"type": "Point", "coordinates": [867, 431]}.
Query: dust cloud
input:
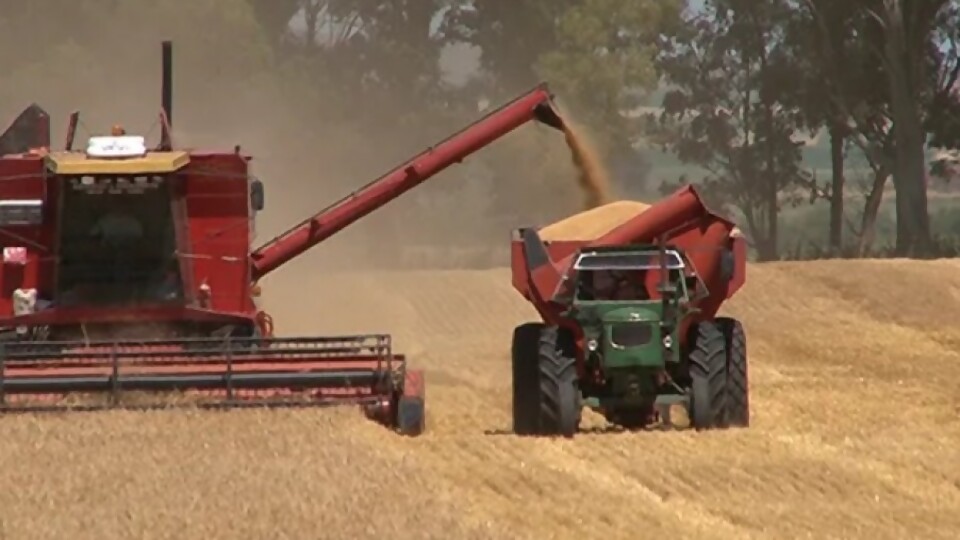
{"type": "Point", "coordinates": [306, 146]}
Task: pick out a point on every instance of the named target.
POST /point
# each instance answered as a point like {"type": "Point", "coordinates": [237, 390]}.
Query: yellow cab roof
{"type": "Point", "coordinates": [152, 162]}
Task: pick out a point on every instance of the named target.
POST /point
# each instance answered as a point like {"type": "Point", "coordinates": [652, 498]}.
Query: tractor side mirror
{"type": "Point", "coordinates": [256, 195]}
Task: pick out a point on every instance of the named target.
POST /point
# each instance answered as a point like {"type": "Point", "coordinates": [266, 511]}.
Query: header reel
{"type": "Point", "coordinates": [213, 373]}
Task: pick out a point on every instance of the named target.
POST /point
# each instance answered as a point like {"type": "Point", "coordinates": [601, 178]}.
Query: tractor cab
{"type": "Point", "coordinates": [629, 300]}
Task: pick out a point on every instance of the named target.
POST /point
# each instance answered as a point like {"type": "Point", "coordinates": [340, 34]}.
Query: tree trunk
{"type": "Point", "coordinates": [837, 140]}
{"type": "Point", "coordinates": [766, 249]}
{"type": "Point", "coordinates": [909, 174]}
{"type": "Point", "coordinates": [868, 224]}
{"type": "Point", "coordinates": [773, 183]}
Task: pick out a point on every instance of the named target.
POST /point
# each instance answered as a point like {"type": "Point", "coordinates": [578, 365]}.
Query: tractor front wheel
{"type": "Point", "coordinates": [526, 378]}
{"type": "Point", "coordinates": [560, 405]}
{"type": "Point", "coordinates": [708, 376]}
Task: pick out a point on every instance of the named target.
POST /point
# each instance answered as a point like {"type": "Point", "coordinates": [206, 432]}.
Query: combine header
{"type": "Point", "coordinates": [127, 271]}
{"type": "Point", "coordinates": [630, 326]}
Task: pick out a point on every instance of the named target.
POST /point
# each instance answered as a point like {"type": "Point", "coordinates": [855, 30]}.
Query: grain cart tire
{"type": "Point", "coordinates": [560, 405]}
{"type": "Point", "coordinates": [708, 376]}
{"type": "Point", "coordinates": [526, 378]}
{"type": "Point", "coordinates": [738, 381]}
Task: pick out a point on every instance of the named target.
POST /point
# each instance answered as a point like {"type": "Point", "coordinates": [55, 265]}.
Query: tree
{"type": "Point", "coordinates": [729, 110]}
{"type": "Point", "coordinates": [274, 17]}
{"type": "Point", "coordinates": [814, 53]}
{"type": "Point", "coordinates": [842, 87]}
{"type": "Point", "coordinates": [597, 55]}
{"type": "Point", "coordinates": [511, 35]}
{"type": "Point", "coordinates": [604, 63]}
{"type": "Point", "coordinates": [904, 40]}
{"type": "Point", "coordinates": [943, 122]}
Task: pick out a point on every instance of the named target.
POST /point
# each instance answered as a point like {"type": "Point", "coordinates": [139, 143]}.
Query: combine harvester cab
{"type": "Point", "coordinates": [127, 272]}
{"type": "Point", "coordinates": [630, 326]}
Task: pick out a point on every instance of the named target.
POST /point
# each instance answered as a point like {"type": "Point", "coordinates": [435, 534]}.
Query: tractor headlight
{"type": "Point", "coordinates": [667, 341]}
{"type": "Point", "coordinates": [592, 345]}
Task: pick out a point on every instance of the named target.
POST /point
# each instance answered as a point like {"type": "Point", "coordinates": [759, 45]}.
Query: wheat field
{"type": "Point", "coordinates": [855, 375]}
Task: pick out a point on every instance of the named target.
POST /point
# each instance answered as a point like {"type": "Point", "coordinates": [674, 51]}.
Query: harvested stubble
{"type": "Point", "coordinates": [826, 456]}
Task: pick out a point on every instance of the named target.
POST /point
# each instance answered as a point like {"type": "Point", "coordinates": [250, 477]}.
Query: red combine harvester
{"type": "Point", "coordinates": [129, 270]}
{"type": "Point", "coordinates": [630, 326]}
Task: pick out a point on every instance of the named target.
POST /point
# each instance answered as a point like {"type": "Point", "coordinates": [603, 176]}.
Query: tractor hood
{"type": "Point", "coordinates": [631, 313]}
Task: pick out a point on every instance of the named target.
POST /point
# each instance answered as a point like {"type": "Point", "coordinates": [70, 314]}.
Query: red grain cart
{"type": "Point", "coordinates": [629, 324]}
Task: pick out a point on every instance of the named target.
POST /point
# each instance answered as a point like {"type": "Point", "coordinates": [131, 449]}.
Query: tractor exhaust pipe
{"type": "Point", "coordinates": [166, 92]}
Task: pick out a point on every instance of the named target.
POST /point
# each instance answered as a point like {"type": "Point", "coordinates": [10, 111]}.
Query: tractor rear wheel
{"type": "Point", "coordinates": [526, 378]}
{"type": "Point", "coordinates": [738, 388]}
{"type": "Point", "coordinates": [560, 405]}
{"type": "Point", "coordinates": [708, 374]}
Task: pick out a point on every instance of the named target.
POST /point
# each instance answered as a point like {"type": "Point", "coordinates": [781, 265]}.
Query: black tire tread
{"type": "Point", "coordinates": [738, 382]}
{"type": "Point", "coordinates": [559, 403]}
{"type": "Point", "coordinates": [708, 373]}
{"type": "Point", "coordinates": [526, 378]}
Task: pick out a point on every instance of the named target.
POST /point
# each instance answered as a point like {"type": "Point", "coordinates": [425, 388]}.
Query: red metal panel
{"type": "Point", "coordinates": [132, 314]}
{"type": "Point", "coordinates": [218, 214]}
{"type": "Point", "coordinates": [22, 178]}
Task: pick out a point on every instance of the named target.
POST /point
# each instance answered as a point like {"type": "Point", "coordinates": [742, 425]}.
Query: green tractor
{"type": "Point", "coordinates": [631, 333]}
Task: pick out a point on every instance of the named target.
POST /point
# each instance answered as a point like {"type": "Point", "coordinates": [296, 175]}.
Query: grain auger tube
{"type": "Point", "coordinates": [129, 275]}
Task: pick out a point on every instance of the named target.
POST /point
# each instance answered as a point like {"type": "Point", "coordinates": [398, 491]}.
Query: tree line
{"type": "Point", "coordinates": [730, 88]}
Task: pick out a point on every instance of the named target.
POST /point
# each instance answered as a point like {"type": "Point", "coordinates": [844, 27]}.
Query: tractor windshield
{"type": "Point", "coordinates": [117, 242]}
{"type": "Point", "coordinates": [622, 275]}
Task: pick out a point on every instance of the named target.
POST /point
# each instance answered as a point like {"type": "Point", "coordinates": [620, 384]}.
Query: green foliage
{"type": "Point", "coordinates": [597, 56]}
{"type": "Point", "coordinates": [512, 36]}
{"type": "Point", "coordinates": [362, 88]}
{"type": "Point", "coordinates": [943, 122]}
{"type": "Point", "coordinates": [730, 110]}
{"type": "Point", "coordinates": [603, 62]}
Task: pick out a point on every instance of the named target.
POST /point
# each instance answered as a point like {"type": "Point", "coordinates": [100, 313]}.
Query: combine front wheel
{"type": "Point", "coordinates": [708, 374]}
{"type": "Point", "coordinates": [559, 400]}
{"type": "Point", "coordinates": [526, 378]}
{"type": "Point", "coordinates": [411, 410]}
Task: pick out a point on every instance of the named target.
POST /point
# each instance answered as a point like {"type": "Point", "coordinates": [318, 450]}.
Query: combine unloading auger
{"type": "Point", "coordinates": [177, 313]}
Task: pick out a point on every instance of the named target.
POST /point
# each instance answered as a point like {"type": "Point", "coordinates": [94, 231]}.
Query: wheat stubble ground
{"type": "Point", "coordinates": [856, 400]}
